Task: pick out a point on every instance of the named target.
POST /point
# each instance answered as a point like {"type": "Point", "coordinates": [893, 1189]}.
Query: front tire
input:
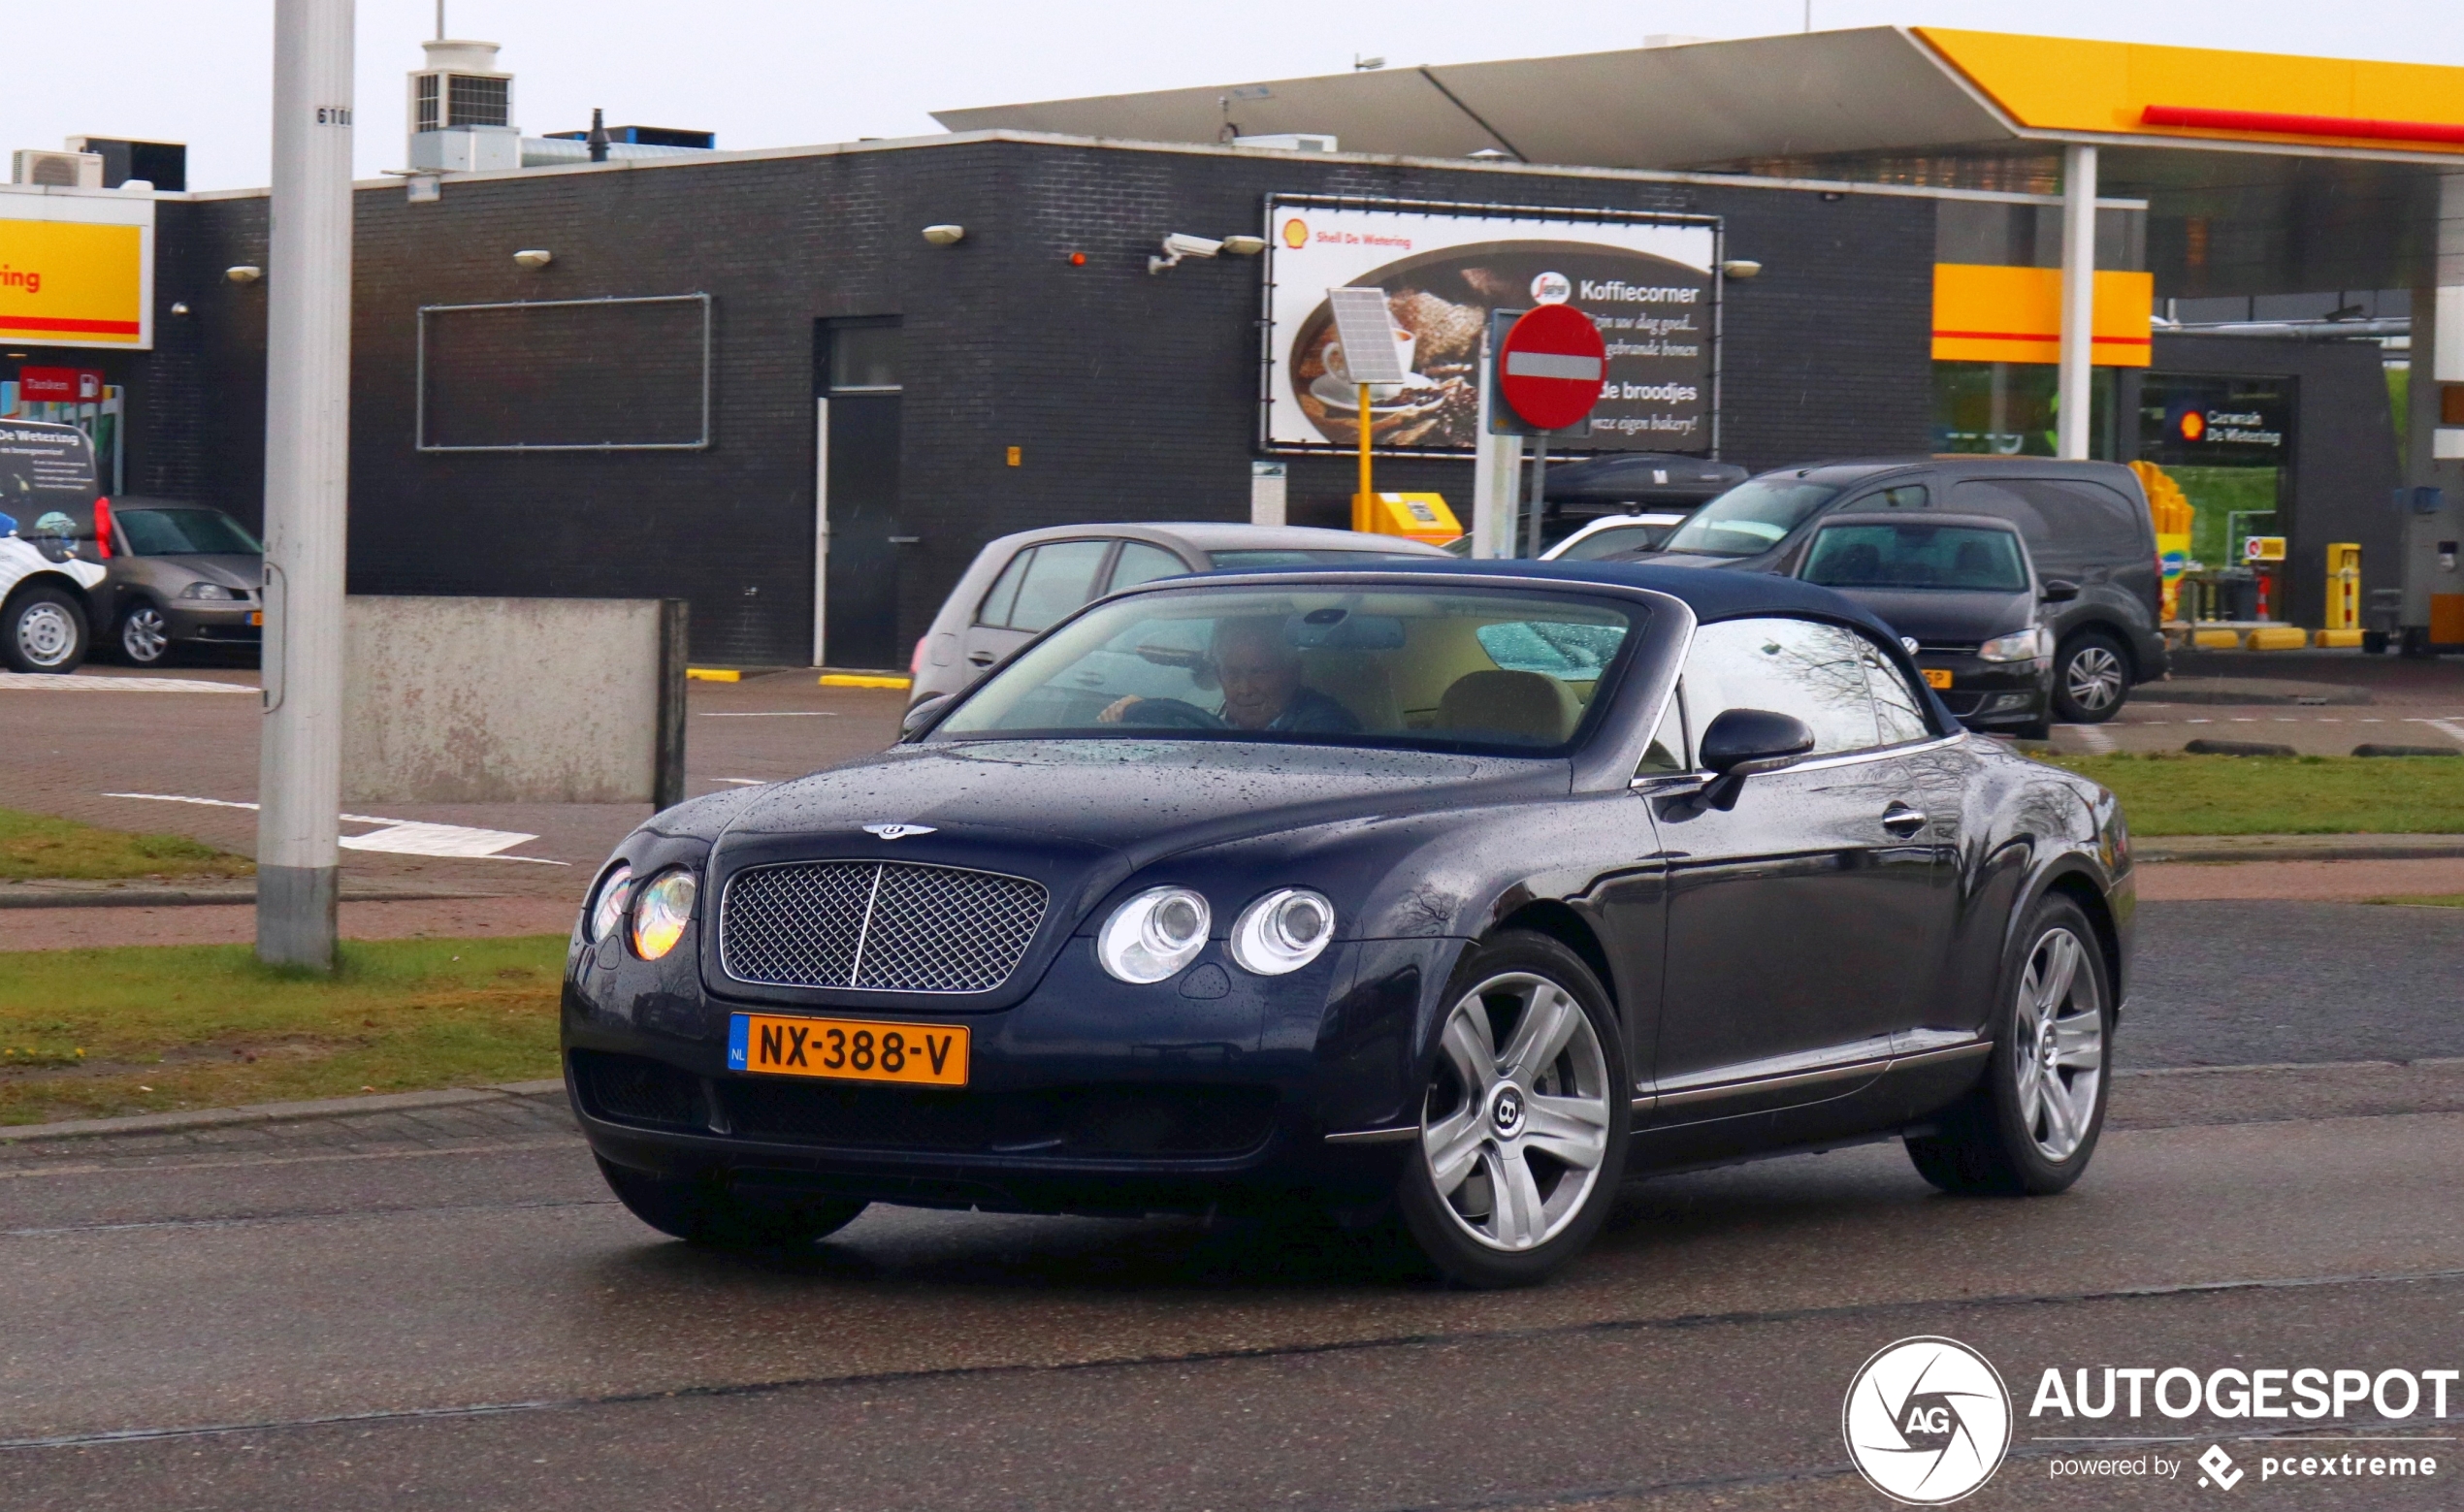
{"type": "Point", "coordinates": [2091, 678]}
{"type": "Point", "coordinates": [2031, 1128]}
{"type": "Point", "coordinates": [702, 1210]}
{"type": "Point", "coordinates": [1524, 1119]}
{"type": "Point", "coordinates": [43, 630]}
{"type": "Point", "coordinates": [144, 635]}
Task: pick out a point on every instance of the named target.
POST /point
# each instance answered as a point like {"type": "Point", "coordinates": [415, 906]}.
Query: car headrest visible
{"type": "Point", "coordinates": [1525, 707]}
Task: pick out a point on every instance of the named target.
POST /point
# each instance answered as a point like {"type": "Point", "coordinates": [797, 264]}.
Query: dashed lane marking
{"type": "Point", "coordinates": [399, 836]}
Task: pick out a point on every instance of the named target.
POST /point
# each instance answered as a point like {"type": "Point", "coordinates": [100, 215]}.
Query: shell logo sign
{"type": "Point", "coordinates": [1295, 234]}
{"type": "Point", "coordinates": [73, 283]}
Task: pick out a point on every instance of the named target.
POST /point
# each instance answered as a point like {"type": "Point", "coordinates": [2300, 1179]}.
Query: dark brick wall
{"type": "Point", "coordinates": [1133, 397]}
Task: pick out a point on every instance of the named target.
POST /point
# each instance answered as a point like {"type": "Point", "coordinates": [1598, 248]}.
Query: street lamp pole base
{"type": "Point", "coordinates": [296, 914]}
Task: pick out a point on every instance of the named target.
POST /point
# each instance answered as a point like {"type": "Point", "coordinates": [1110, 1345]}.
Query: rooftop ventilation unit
{"type": "Point", "coordinates": [1289, 141]}
{"type": "Point", "coordinates": [56, 170]}
{"type": "Point", "coordinates": [459, 86]}
{"type": "Point", "coordinates": [162, 164]}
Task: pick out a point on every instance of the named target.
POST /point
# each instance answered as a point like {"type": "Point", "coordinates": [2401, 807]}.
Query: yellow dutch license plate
{"type": "Point", "coordinates": [256, 616]}
{"type": "Point", "coordinates": [848, 1049]}
{"type": "Point", "coordinates": [1937, 677]}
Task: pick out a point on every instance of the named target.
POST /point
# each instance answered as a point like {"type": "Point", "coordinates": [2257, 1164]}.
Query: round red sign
{"type": "Point", "coordinates": [1551, 367]}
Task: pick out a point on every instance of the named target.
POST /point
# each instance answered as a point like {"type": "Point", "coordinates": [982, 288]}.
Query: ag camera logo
{"type": "Point", "coordinates": [1928, 1421]}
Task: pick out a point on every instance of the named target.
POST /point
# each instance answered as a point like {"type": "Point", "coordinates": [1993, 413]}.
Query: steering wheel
{"type": "Point", "coordinates": [1170, 714]}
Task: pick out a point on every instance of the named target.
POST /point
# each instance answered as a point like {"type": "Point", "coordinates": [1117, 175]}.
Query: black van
{"type": "Point", "coordinates": [2086, 522]}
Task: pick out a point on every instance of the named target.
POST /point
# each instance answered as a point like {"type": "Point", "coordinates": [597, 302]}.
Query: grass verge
{"type": "Point", "coordinates": [2427, 900]}
{"type": "Point", "coordinates": [155, 1028]}
{"type": "Point", "coordinates": [2169, 793]}
{"type": "Point", "coordinates": [36, 846]}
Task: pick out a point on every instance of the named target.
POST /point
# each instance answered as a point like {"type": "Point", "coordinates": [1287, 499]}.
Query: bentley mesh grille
{"type": "Point", "coordinates": [876, 927]}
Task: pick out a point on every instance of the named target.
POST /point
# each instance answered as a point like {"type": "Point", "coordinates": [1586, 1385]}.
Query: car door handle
{"type": "Point", "coordinates": [980, 657]}
{"type": "Point", "coordinates": [1902, 820]}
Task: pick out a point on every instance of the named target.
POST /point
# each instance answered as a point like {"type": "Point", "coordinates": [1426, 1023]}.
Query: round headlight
{"type": "Point", "coordinates": [1283, 931]}
{"type": "Point", "coordinates": [608, 909]}
{"type": "Point", "coordinates": [662, 911]}
{"type": "Point", "coordinates": [1154, 934]}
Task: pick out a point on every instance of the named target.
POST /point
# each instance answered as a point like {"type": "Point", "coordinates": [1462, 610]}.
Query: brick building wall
{"type": "Point", "coordinates": [1132, 395]}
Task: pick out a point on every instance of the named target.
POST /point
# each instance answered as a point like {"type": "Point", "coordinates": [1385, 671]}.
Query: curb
{"type": "Point", "coordinates": [2425, 1063]}
{"type": "Point", "coordinates": [2207, 848]}
{"type": "Point", "coordinates": [105, 895]}
{"type": "Point", "coordinates": [274, 1113]}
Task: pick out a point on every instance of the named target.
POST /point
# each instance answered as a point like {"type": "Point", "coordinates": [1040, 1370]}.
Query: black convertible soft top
{"type": "Point", "coordinates": [1711, 592]}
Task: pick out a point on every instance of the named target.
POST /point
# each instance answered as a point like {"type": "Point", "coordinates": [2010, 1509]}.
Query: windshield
{"type": "Point", "coordinates": [1437, 667]}
{"type": "Point", "coordinates": [1916, 554]}
{"type": "Point", "coordinates": [1265, 557]}
{"type": "Point", "coordinates": [172, 533]}
{"type": "Point", "coordinates": [1751, 517]}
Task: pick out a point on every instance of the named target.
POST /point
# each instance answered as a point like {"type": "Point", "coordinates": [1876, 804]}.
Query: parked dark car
{"type": "Point", "coordinates": [1020, 586]}
{"type": "Point", "coordinates": [1443, 896]}
{"type": "Point", "coordinates": [1960, 589]}
{"type": "Point", "coordinates": [2087, 523]}
{"type": "Point", "coordinates": [180, 575]}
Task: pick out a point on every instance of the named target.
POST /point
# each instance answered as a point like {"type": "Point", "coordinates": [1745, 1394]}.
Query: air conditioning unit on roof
{"type": "Point", "coordinates": [58, 169]}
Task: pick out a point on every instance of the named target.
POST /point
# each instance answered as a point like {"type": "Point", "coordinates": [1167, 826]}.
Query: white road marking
{"type": "Point", "coordinates": [398, 836]}
{"type": "Point", "coordinates": [2448, 727]}
{"type": "Point", "coordinates": [2097, 742]}
{"type": "Point", "coordinates": [2185, 722]}
{"type": "Point", "coordinates": [76, 683]}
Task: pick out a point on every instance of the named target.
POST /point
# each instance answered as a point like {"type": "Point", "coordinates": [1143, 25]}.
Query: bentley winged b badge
{"type": "Point", "coordinates": [896, 831]}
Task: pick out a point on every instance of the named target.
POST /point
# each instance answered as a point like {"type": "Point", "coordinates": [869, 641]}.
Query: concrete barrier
{"type": "Point", "coordinates": [513, 700]}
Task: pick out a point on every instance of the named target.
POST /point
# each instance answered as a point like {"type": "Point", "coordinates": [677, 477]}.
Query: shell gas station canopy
{"type": "Point", "coordinates": [2262, 174]}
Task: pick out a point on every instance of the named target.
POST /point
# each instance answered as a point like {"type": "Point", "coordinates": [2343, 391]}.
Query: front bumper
{"type": "Point", "coordinates": [1214, 1089]}
{"type": "Point", "coordinates": [216, 623]}
{"type": "Point", "coordinates": [1992, 695]}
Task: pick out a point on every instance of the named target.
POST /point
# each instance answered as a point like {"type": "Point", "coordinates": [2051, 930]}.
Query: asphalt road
{"type": "Point", "coordinates": [423, 1317]}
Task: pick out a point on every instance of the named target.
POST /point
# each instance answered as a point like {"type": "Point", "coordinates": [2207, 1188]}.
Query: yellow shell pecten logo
{"type": "Point", "coordinates": [1295, 233]}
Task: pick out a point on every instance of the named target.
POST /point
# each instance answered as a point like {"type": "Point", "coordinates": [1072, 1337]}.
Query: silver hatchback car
{"type": "Point", "coordinates": [1022, 585]}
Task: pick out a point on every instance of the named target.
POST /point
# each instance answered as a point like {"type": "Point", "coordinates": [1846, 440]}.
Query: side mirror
{"type": "Point", "coordinates": [921, 716]}
{"type": "Point", "coordinates": [1744, 743]}
{"type": "Point", "coordinates": [2059, 590]}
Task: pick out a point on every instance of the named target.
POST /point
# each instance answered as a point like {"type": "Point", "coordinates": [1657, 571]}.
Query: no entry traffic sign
{"type": "Point", "coordinates": [1551, 366]}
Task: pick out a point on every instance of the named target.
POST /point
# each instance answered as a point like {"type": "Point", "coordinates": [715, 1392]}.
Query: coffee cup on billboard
{"type": "Point", "coordinates": [1405, 343]}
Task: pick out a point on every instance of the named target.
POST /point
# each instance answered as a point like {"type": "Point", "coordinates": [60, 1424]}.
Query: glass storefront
{"type": "Point", "coordinates": [2010, 409]}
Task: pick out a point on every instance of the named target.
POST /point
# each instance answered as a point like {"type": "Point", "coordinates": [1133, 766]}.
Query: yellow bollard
{"type": "Point", "coordinates": [2343, 585]}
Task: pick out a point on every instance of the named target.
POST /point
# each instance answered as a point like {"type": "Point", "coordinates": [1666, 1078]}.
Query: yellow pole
{"type": "Point", "coordinates": [1364, 513]}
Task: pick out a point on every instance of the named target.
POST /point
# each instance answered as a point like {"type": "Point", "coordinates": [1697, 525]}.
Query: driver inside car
{"type": "Point", "coordinates": [1260, 674]}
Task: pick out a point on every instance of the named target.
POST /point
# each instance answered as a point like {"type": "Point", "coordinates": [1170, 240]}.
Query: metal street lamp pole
{"type": "Point", "coordinates": [307, 483]}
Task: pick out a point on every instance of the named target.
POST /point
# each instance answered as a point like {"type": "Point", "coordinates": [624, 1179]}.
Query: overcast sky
{"type": "Point", "coordinates": [775, 73]}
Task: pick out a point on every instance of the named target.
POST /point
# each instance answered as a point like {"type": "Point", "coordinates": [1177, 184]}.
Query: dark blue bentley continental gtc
{"type": "Point", "coordinates": [1444, 896]}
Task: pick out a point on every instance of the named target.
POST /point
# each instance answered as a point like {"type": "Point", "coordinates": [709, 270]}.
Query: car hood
{"type": "Point", "coordinates": [234, 571]}
{"type": "Point", "coordinates": [1140, 798]}
{"type": "Point", "coordinates": [1936, 614]}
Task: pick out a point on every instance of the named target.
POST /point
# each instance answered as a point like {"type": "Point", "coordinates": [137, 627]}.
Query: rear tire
{"type": "Point", "coordinates": [2091, 678]}
{"type": "Point", "coordinates": [2031, 1128]}
{"type": "Point", "coordinates": [43, 630]}
{"type": "Point", "coordinates": [702, 1210]}
{"type": "Point", "coordinates": [1524, 1121]}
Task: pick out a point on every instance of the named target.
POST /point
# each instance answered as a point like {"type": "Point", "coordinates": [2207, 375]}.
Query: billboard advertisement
{"type": "Point", "coordinates": [1646, 280]}
{"type": "Point", "coordinates": [77, 270]}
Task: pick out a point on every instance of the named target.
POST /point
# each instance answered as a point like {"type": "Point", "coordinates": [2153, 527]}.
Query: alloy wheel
{"type": "Point", "coordinates": [1517, 1123]}
{"type": "Point", "coordinates": [2057, 1044]}
{"type": "Point", "coordinates": [144, 636]}
{"type": "Point", "coordinates": [45, 637]}
{"type": "Point", "coordinates": [2093, 677]}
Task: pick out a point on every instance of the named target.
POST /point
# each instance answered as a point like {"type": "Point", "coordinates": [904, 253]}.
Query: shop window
{"type": "Point", "coordinates": [863, 359]}
{"type": "Point", "coordinates": [2011, 409]}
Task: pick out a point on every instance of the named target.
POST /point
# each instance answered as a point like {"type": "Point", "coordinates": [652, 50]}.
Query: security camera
{"type": "Point", "coordinates": [1181, 244]}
